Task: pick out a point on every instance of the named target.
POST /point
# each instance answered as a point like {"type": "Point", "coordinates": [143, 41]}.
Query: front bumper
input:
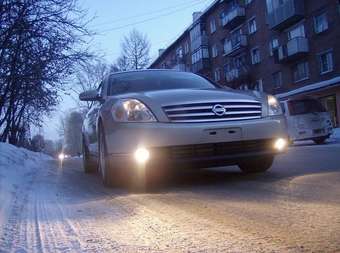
{"type": "Point", "coordinates": [123, 139]}
{"type": "Point", "coordinates": [201, 155]}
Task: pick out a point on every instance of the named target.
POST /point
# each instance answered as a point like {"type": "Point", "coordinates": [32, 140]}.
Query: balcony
{"type": "Point", "coordinates": [237, 75]}
{"type": "Point", "coordinates": [233, 17]}
{"type": "Point", "coordinates": [290, 12]}
{"type": "Point", "coordinates": [292, 51]}
{"type": "Point", "coordinates": [235, 45]}
{"type": "Point", "coordinates": [201, 65]}
{"type": "Point", "coordinates": [199, 42]}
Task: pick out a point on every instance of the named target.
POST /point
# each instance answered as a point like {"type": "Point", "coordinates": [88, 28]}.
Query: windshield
{"type": "Point", "coordinates": [156, 80]}
{"type": "Point", "coordinates": [297, 107]}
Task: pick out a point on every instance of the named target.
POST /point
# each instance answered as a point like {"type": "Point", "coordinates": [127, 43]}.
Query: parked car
{"type": "Point", "coordinates": [152, 118]}
{"type": "Point", "coordinates": [307, 119]}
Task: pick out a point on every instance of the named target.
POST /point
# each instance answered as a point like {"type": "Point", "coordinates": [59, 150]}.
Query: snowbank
{"type": "Point", "coordinates": [16, 165]}
{"type": "Point", "coordinates": [12, 157]}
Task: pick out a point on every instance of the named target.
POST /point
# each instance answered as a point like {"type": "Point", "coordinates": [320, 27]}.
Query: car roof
{"type": "Point", "coordinates": [148, 70]}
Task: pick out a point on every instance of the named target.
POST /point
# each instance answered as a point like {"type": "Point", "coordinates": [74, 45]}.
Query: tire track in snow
{"type": "Point", "coordinates": [16, 222]}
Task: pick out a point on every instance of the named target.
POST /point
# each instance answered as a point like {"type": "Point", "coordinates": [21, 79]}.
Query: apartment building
{"type": "Point", "coordinates": [285, 47]}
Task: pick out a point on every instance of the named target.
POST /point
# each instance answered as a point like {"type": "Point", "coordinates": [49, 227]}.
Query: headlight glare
{"type": "Point", "coordinates": [274, 107]}
{"type": "Point", "coordinates": [132, 110]}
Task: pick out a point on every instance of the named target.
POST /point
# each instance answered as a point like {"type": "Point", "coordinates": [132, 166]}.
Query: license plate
{"type": "Point", "coordinates": [224, 134]}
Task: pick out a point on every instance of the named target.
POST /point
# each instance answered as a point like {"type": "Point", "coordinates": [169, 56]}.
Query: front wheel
{"type": "Point", "coordinates": [109, 174]}
{"type": "Point", "coordinates": [320, 140]}
{"type": "Point", "coordinates": [256, 164]}
{"type": "Point", "coordinates": [88, 164]}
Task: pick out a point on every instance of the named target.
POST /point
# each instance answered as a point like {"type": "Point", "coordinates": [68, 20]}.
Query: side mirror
{"type": "Point", "coordinates": [90, 95]}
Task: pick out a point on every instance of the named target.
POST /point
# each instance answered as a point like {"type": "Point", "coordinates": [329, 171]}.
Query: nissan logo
{"type": "Point", "coordinates": [219, 110]}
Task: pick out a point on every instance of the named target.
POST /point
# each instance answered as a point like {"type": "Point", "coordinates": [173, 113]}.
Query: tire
{"type": "Point", "coordinates": [89, 165]}
{"type": "Point", "coordinates": [109, 174]}
{"type": "Point", "coordinates": [320, 140]}
{"type": "Point", "coordinates": [257, 164]}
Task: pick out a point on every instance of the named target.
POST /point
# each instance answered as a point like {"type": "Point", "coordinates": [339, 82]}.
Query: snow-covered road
{"type": "Point", "coordinates": [293, 208]}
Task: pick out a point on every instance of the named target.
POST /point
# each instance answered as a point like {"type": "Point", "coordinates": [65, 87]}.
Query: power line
{"type": "Point", "coordinates": [150, 19]}
{"type": "Point", "coordinates": [145, 14]}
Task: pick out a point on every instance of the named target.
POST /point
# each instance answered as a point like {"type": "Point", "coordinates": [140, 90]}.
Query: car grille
{"type": "Point", "coordinates": [214, 149]}
{"type": "Point", "coordinates": [203, 112]}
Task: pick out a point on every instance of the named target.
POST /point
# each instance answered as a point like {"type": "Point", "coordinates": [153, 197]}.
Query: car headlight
{"type": "Point", "coordinates": [274, 107]}
{"type": "Point", "coordinates": [132, 110]}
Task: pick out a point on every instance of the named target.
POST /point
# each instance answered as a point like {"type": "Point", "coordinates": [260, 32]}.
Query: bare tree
{"type": "Point", "coordinates": [114, 68]}
{"type": "Point", "coordinates": [41, 42]}
{"type": "Point", "coordinates": [123, 63]}
{"type": "Point", "coordinates": [37, 143]}
{"type": "Point", "coordinates": [135, 51]}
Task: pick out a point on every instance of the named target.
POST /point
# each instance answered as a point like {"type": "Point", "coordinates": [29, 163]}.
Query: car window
{"type": "Point", "coordinates": [298, 107]}
{"type": "Point", "coordinates": [156, 80]}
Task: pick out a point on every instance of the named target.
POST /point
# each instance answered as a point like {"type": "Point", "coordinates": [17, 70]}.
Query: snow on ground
{"type": "Point", "coordinates": [293, 208]}
{"type": "Point", "coordinates": [16, 166]}
{"type": "Point", "coordinates": [19, 158]}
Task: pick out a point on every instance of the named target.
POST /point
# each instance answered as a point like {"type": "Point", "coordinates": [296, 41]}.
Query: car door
{"type": "Point", "coordinates": [92, 118]}
{"type": "Point", "coordinates": [92, 129]}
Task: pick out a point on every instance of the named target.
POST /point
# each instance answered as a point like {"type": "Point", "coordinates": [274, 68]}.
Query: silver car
{"type": "Point", "coordinates": [151, 119]}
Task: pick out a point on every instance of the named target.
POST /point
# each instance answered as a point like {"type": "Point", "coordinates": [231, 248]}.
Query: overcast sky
{"type": "Point", "coordinates": [162, 20]}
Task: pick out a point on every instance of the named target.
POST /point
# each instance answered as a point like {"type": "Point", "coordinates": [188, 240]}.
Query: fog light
{"type": "Point", "coordinates": [142, 155]}
{"type": "Point", "coordinates": [280, 144]}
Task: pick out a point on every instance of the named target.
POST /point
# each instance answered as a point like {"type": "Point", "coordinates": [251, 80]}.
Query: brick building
{"type": "Point", "coordinates": [284, 47]}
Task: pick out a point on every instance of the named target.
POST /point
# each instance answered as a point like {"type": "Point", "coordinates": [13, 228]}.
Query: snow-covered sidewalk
{"type": "Point", "coordinates": [18, 168]}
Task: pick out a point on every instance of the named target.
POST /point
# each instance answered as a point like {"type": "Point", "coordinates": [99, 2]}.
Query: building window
{"type": "Point", "coordinates": [273, 5]}
{"type": "Point", "coordinates": [179, 52]}
{"type": "Point", "coordinates": [214, 51]}
{"type": "Point", "coordinates": [273, 44]}
{"type": "Point", "coordinates": [326, 62]}
{"type": "Point", "coordinates": [255, 56]}
{"type": "Point", "coordinates": [252, 26]}
{"type": "Point", "coordinates": [235, 40]}
{"type": "Point", "coordinates": [298, 31]}
{"type": "Point", "coordinates": [186, 48]}
{"type": "Point", "coordinates": [217, 74]}
{"type": "Point", "coordinates": [212, 25]}
{"type": "Point", "coordinates": [320, 23]}
{"type": "Point", "coordinates": [277, 79]}
{"type": "Point", "coordinates": [301, 72]}
{"type": "Point", "coordinates": [202, 53]}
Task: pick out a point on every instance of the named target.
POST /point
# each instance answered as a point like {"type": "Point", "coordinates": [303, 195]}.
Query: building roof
{"type": "Point", "coordinates": [334, 82]}
{"type": "Point", "coordinates": [209, 8]}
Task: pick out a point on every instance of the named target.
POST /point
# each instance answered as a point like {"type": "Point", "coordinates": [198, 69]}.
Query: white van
{"type": "Point", "coordinates": [307, 119]}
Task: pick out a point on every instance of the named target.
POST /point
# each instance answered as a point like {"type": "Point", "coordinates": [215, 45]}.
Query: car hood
{"type": "Point", "coordinates": [184, 96]}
